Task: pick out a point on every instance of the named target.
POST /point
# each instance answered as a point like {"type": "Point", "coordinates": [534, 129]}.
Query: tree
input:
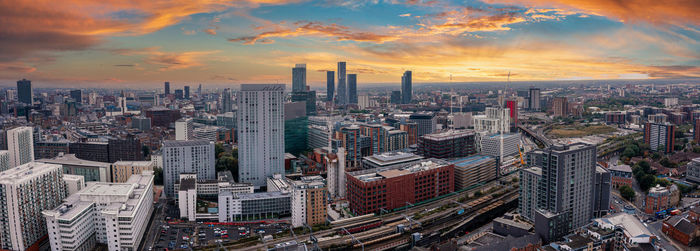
{"type": "Point", "coordinates": [158, 176]}
{"type": "Point", "coordinates": [218, 149]}
{"type": "Point", "coordinates": [146, 150]}
{"type": "Point", "coordinates": [647, 181]}
{"type": "Point", "coordinates": [627, 193]}
{"type": "Point", "coordinates": [646, 167]}
{"type": "Point", "coordinates": [628, 152]}
{"type": "Point", "coordinates": [661, 148]}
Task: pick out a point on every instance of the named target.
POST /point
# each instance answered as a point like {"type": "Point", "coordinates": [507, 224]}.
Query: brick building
{"type": "Point", "coordinates": [450, 144]}
{"type": "Point", "coordinates": [372, 189]}
{"type": "Point", "coordinates": [621, 176]}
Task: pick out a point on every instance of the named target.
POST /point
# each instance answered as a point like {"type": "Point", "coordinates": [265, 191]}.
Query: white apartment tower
{"type": "Point", "coordinates": [336, 173]}
{"type": "Point", "coordinates": [184, 129]}
{"type": "Point", "coordinates": [113, 214]}
{"type": "Point", "coordinates": [4, 160]}
{"type": "Point", "coordinates": [194, 156]}
{"type": "Point", "coordinates": [20, 144]}
{"type": "Point", "coordinates": [260, 132]}
{"type": "Point", "coordinates": [25, 191]}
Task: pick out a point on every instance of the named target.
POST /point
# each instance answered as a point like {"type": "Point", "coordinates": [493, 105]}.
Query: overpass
{"type": "Point", "coordinates": [541, 139]}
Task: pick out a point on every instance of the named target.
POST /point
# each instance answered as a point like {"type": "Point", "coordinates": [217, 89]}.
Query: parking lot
{"type": "Point", "coordinates": [193, 235]}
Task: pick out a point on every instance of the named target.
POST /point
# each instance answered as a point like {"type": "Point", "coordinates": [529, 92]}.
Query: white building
{"type": "Point", "coordinates": [496, 120]}
{"type": "Point", "coordinates": [336, 173]}
{"type": "Point", "coordinates": [20, 144]}
{"type": "Point", "coordinates": [194, 156]}
{"type": "Point", "coordinates": [500, 145]}
{"type": "Point", "coordinates": [210, 133]}
{"type": "Point", "coordinates": [27, 190]}
{"type": "Point", "coordinates": [260, 132]}
{"type": "Point", "coordinates": [670, 102]}
{"type": "Point", "coordinates": [187, 196]}
{"type": "Point", "coordinates": [184, 128]}
{"type": "Point", "coordinates": [74, 183]}
{"type": "Point", "coordinates": [113, 214]}
{"type": "Point", "coordinates": [4, 160]}
{"type": "Point", "coordinates": [363, 101]}
{"type": "Point", "coordinates": [189, 188]}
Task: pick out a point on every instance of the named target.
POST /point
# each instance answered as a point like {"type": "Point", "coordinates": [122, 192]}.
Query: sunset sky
{"type": "Point", "coordinates": [117, 43]}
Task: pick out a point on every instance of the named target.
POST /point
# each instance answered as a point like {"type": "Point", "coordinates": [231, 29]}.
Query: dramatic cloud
{"type": "Point", "coordinates": [673, 12]}
{"type": "Point", "coordinates": [335, 31]}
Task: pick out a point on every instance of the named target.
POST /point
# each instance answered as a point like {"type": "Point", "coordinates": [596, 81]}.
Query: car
{"type": "Point", "coordinates": [224, 236]}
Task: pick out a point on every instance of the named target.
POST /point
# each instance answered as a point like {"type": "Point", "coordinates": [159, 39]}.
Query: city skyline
{"type": "Point", "coordinates": [121, 44]}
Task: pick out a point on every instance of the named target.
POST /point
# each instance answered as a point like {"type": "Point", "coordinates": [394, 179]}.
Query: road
{"type": "Point", "coordinates": [155, 226]}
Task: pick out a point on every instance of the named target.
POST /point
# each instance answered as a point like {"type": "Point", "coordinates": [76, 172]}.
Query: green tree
{"type": "Point", "coordinates": [628, 152]}
{"type": "Point", "coordinates": [647, 181]}
{"type": "Point", "coordinates": [627, 193]}
{"type": "Point", "coordinates": [218, 150]}
{"type": "Point", "coordinates": [146, 150]}
{"type": "Point", "coordinates": [158, 176]}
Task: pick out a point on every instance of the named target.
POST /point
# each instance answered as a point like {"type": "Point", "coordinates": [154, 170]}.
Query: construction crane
{"type": "Point", "coordinates": [522, 161]}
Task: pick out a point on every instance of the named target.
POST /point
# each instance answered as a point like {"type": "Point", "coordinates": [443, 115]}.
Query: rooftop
{"type": "Point", "coordinates": [380, 173]}
{"type": "Point", "coordinates": [133, 163]}
{"type": "Point", "coordinates": [631, 225]}
{"type": "Point", "coordinates": [26, 171]}
{"type": "Point", "coordinates": [621, 168]}
{"type": "Point", "coordinates": [534, 170]}
{"type": "Point", "coordinates": [448, 134]}
{"type": "Point", "coordinates": [70, 159]}
{"type": "Point", "coordinates": [472, 161]}
{"type": "Point", "coordinates": [390, 158]}
{"type": "Point", "coordinates": [182, 143]}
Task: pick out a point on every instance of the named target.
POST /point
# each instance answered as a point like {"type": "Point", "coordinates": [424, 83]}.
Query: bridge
{"type": "Point", "coordinates": [540, 139]}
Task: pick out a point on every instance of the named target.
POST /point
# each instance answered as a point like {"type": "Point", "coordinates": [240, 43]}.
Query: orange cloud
{"type": "Point", "coordinates": [166, 61]}
{"type": "Point", "coordinates": [338, 32]}
{"type": "Point", "coordinates": [673, 12]}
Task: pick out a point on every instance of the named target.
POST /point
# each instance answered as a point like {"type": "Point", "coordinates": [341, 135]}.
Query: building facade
{"type": "Point", "coordinates": [660, 137]}
{"type": "Point", "coordinates": [186, 157]}
{"type": "Point", "coordinates": [407, 87]}
{"type": "Point", "coordinates": [260, 132]}
{"type": "Point", "coordinates": [473, 170]}
{"type": "Point", "coordinates": [450, 144]}
{"type": "Point", "coordinates": [20, 144]}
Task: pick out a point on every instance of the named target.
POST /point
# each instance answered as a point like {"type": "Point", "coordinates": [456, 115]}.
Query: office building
{"type": "Point", "coordinates": [187, 92]}
{"type": "Point", "coordinates": [25, 94]}
{"type": "Point", "coordinates": [253, 206]}
{"type": "Point", "coordinates": [660, 137]}
{"type": "Point", "coordinates": [308, 198]}
{"type": "Point", "coordinates": [90, 170]}
{"type": "Point", "coordinates": [500, 145]}
{"type": "Point", "coordinates": [474, 170]}
{"type": "Point", "coordinates": [426, 122]}
{"type": "Point", "coordinates": [226, 101]}
{"type": "Point", "coordinates": [125, 149]}
{"type": "Point", "coordinates": [260, 132]}
{"type": "Point", "coordinates": [195, 156]}
{"type": "Point", "coordinates": [396, 97]}
{"type": "Point", "coordinates": [530, 179]}
{"type": "Point", "coordinates": [560, 107]}
{"type": "Point", "coordinates": [123, 170]}
{"type": "Point", "coordinates": [20, 144]}
{"type": "Point", "coordinates": [406, 87]}
{"type": "Point", "coordinates": [166, 88]}
{"type": "Point", "coordinates": [352, 88]}
{"type": "Point", "coordinates": [26, 191]}
{"type": "Point", "coordinates": [115, 215]}
{"type": "Point", "coordinates": [342, 95]}
{"type": "Point", "coordinates": [299, 78]}
{"type": "Point", "coordinates": [449, 144]}
{"type": "Point", "coordinates": [389, 160]}
{"type": "Point", "coordinates": [4, 160]}
{"type": "Point", "coordinates": [226, 120]}
{"type": "Point", "coordinates": [141, 123]}
{"type": "Point", "coordinates": [163, 117]}
{"type": "Point", "coordinates": [372, 189]}
{"type": "Point", "coordinates": [92, 151]}
{"type": "Point", "coordinates": [534, 99]}
{"type": "Point", "coordinates": [621, 175]}
{"type": "Point", "coordinates": [565, 193]}
{"type": "Point", "coordinates": [601, 192]}
{"type": "Point", "coordinates": [330, 85]}
{"type": "Point", "coordinates": [179, 94]}
{"type": "Point", "coordinates": [77, 95]}
{"type": "Point", "coordinates": [184, 128]}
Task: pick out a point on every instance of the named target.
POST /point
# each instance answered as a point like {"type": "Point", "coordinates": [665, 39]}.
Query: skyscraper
{"type": "Point", "coordinates": [187, 92]}
{"type": "Point", "coordinates": [299, 78]}
{"type": "Point", "coordinates": [260, 132]}
{"type": "Point", "coordinates": [226, 101]}
{"type": "Point", "coordinates": [20, 144]}
{"type": "Point", "coordinates": [77, 95]}
{"type": "Point", "coordinates": [193, 156]}
{"type": "Point", "coordinates": [406, 87]}
{"type": "Point", "coordinates": [24, 91]}
{"type": "Point", "coordinates": [534, 99]}
{"type": "Point", "coordinates": [352, 88]}
{"type": "Point", "coordinates": [342, 95]}
{"type": "Point", "coordinates": [330, 85]}
{"type": "Point", "coordinates": [560, 107]}
{"type": "Point", "coordinates": [167, 88]}
{"type": "Point", "coordinates": [565, 199]}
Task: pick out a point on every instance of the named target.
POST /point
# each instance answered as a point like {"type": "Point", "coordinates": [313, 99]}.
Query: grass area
{"type": "Point", "coordinates": [567, 131]}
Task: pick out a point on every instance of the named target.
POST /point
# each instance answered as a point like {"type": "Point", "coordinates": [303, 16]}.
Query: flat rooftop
{"type": "Point", "coordinates": [472, 161]}
{"type": "Point", "coordinates": [133, 163]}
{"type": "Point", "coordinates": [181, 143]}
{"type": "Point", "coordinates": [448, 134]}
{"type": "Point", "coordinates": [391, 158]}
{"type": "Point", "coordinates": [375, 174]}
{"type": "Point", "coordinates": [70, 159]}
{"type": "Point", "coordinates": [26, 171]}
